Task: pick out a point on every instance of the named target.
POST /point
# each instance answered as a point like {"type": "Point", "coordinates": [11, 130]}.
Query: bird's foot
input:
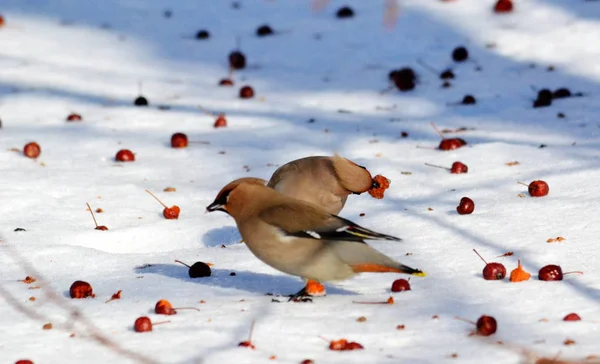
{"type": "Point", "coordinates": [301, 296]}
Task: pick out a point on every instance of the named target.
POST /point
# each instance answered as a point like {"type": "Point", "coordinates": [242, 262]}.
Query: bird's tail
{"type": "Point", "coordinates": [363, 258]}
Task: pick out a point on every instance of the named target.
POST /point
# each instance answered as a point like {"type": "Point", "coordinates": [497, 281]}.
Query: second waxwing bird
{"type": "Point", "coordinates": [324, 181]}
{"type": "Point", "coordinates": [300, 238]}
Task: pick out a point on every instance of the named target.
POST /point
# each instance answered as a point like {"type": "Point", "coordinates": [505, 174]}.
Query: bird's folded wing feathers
{"type": "Point", "coordinates": [281, 172]}
{"type": "Point", "coordinates": [305, 222]}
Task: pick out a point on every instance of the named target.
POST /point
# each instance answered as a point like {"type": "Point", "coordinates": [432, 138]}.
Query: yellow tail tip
{"type": "Point", "coordinates": [420, 274]}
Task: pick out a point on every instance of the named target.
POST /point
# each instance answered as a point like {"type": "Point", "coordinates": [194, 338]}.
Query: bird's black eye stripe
{"type": "Point", "coordinates": [363, 167]}
{"type": "Point", "coordinates": [222, 200]}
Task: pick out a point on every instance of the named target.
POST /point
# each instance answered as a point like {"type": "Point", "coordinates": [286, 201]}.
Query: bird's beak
{"type": "Point", "coordinates": [375, 184]}
{"type": "Point", "coordinates": [215, 206]}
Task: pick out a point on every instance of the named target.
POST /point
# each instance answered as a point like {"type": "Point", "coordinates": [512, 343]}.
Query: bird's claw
{"type": "Point", "coordinates": [301, 296]}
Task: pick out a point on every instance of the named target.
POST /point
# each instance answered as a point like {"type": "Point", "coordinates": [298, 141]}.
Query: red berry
{"type": "Point", "coordinates": [81, 289]}
{"type": "Point", "coordinates": [237, 60]}
{"type": "Point", "coordinates": [171, 213]}
{"type": "Point", "coordinates": [202, 34]}
{"type": "Point", "coordinates": [1, 20]}
{"type": "Point", "coordinates": [226, 82]}
{"type": "Point", "coordinates": [22, 361]}
{"type": "Point", "coordinates": [447, 74]}
{"type": "Point", "coordinates": [246, 92]}
{"type": "Point", "coordinates": [164, 307]}
{"type": "Point", "coordinates": [124, 155]}
{"type": "Point", "coordinates": [179, 140]}
{"type": "Point", "coordinates": [142, 324]}
{"type": "Point", "coordinates": [538, 188]}
{"type": "Point", "coordinates": [345, 12]}
{"type": "Point", "coordinates": [572, 317]}
{"type": "Point", "coordinates": [494, 271]}
{"type": "Point", "coordinates": [400, 285]}
{"type": "Point", "coordinates": [353, 346]}
{"type": "Point", "coordinates": [451, 144]}
{"type": "Point", "coordinates": [338, 345]}
{"type": "Point", "coordinates": [307, 361]}
{"type": "Point", "coordinates": [221, 122]}
{"type": "Point", "coordinates": [247, 344]}
{"type": "Point", "coordinates": [468, 100]}
{"type": "Point", "coordinates": [460, 54]}
{"type": "Point", "coordinates": [405, 79]}
{"type": "Point", "coordinates": [458, 168]}
{"type": "Point", "coordinates": [101, 227]}
{"type": "Point", "coordinates": [550, 272]}
{"type": "Point", "coordinates": [140, 101]}
{"type": "Point", "coordinates": [197, 270]}
{"type": "Point", "coordinates": [503, 6]}
{"type": "Point", "coordinates": [32, 150]}
{"type": "Point", "coordinates": [74, 117]}
{"type": "Point", "coordinates": [486, 325]}
{"type": "Point", "coordinates": [466, 206]}
{"type": "Point", "coordinates": [264, 30]}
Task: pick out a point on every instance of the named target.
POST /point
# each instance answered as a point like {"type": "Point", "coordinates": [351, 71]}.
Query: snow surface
{"type": "Point", "coordinates": [63, 56]}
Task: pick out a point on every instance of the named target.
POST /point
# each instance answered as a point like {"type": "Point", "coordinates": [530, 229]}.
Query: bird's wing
{"type": "Point", "coordinates": [305, 221]}
{"type": "Point", "coordinates": [281, 173]}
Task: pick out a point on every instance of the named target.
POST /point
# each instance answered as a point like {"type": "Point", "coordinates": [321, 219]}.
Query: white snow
{"type": "Point", "coordinates": [65, 56]}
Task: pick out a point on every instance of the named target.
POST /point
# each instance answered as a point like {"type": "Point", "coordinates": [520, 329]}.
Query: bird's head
{"type": "Point", "coordinates": [353, 177]}
{"type": "Point", "coordinates": [228, 194]}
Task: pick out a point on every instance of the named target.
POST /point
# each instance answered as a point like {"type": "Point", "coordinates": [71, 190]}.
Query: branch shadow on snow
{"type": "Point", "coordinates": [257, 283]}
{"type": "Point", "coordinates": [587, 9]}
